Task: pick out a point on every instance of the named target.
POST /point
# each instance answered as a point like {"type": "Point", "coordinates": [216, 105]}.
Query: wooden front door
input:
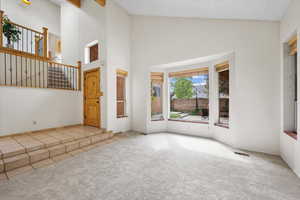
{"type": "Point", "coordinates": [92, 96]}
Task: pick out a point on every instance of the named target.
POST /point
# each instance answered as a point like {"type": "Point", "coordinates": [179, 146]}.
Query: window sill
{"type": "Point", "coordinates": [157, 120]}
{"type": "Point", "coordinates": [195, 122]}
{"type": "Point", "coordinates": [292, 134]}
{"type": "Point", "coordinates": [122, 116]}
{"type": "Point", "coordinates": [222, 125]}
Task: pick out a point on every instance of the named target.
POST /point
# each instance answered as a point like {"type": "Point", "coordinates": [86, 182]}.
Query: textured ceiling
{"type": "Point", "coordinates": [215, 9]}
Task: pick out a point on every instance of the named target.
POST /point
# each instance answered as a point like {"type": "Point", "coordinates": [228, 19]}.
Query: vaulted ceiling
{"type": "Point", "coordinates": [58, 2]}
{"type": "Point", "coordinates": [215, 9]}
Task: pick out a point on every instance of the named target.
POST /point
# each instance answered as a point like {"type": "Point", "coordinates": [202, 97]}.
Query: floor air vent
{"type": "Point", "coordinates": [242, 154]}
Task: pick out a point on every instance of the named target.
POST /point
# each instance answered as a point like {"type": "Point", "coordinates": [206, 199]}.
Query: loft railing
{"type": "Point", "coordinates": [21, 70]}
{"type": "Point", "coordinates": [25, 63]}
{"type": "Point", "coordinates": [29, 41]}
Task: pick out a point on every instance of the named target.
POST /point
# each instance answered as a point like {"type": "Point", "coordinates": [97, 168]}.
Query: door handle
{"type": "Point", "coordinates": [97, 102]}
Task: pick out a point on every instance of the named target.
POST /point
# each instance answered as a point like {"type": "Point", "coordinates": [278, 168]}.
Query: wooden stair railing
{"type": "Point", "coordinates": [30, 41]}
{"type": "Point", "coordinates": [25, 63]}
{"type": "Point", "coordinates": [22, 70]}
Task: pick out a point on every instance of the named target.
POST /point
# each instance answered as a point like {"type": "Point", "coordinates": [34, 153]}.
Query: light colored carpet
{"type": "Point", "coordinates": [158, 167]}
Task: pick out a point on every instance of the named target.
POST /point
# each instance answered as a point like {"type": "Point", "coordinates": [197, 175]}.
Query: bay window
{"type": "Point", "coordinates": [189, 95]}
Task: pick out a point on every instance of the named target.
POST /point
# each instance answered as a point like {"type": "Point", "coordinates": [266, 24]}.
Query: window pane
{"type": "Point", "coordinates": [94, 53]}
{"type": "Point", "coordinates": [120, 108]}
{"type": "Point", "coordinates": [224, 97]}
{"type": "Point", "coordinates": [120, 88]}
{"type": "Point", "coordinates": [156, 101]}
{"type": "Point", "coordinates": [121, 96]}
{"type": "Point", "coordinates": [189, 98]}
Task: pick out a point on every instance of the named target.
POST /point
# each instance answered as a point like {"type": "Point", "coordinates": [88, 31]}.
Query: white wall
{"type": "Point", "coordinates": [136, 44]}
{"type": "Point", "coordinates": [79, 27]}
{"type": "Point", "coordinates": [255, 104]}
{"type": "Point", "coordinates": [289, 26]}
{"type": "Point", "coordinates": [21, 107]}
{"type": "Point", "coordinates": [41, 13]}
{"type": "Point", "coordinates": [110, 26]}
{"type": "Point", "coordinates": [118, 41]}
{"type": "Point", "coordinates": [70, 34]}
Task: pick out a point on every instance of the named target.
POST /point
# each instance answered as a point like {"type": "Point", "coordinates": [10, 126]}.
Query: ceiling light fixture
{"type": "Point", "coordinates": [27, 2]}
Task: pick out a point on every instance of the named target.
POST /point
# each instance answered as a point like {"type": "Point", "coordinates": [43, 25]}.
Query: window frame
{"type": "Point", "coordinates": [121, 74]}
{"type": "Point", "coordinates": [219, 68]}
{"type": "Point", "coordinates": [87, 52]}
{"type": "Point", "coordinates": [290, 120]}
{"type": "Point", "coordinates": [92, 54]}
{"type": "Point", "coordinates": [188, 74]}
{"type": "Point", "coordinates": [158, 79]}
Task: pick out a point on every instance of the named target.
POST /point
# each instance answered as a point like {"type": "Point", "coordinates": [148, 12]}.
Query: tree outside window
{"type": "Point", "coordinates": [189, 98]}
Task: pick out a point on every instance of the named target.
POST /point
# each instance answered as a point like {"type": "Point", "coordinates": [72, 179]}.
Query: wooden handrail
{"type": "Point", "coordinates": [28, 31]}
{"type": "Point", "coordinates": [22, 53]}
{"type": "Point", "coordinates": [62, 65]}
{"type": "Point", "coordinates": [45, 44]}
{"type": "Point", "coordinates": [40, 71]}
{"type": "Point", "coordinates": [24, 27]}
{"type": "Point", "coordinates": [32, 56]}
{"type": "Point", "coordinates": [22, 69]}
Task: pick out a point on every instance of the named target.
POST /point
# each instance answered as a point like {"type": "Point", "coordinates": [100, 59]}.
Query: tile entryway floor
{"type": "Point", "coordinates": [158, 167]}
{"type": "Point", "coordinates": [21, 153]}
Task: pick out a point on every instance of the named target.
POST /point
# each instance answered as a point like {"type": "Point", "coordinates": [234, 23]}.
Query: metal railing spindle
{"type": "Point", "coordinates": [16, 70]}
{"type": "Point", "coordinates": [21, 71]}
{"type": "Point", "coordinates": [5, 68]}
{"type": "Point", "coordinates": [10, 69]}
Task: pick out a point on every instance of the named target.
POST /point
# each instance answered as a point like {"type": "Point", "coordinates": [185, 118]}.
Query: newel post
{"type": "Point", "coordinates": [79, 75]}
{"type": "Point", "coordinates": [45, 44]}
{"type": "Point", "coordinates": [1, 27]}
